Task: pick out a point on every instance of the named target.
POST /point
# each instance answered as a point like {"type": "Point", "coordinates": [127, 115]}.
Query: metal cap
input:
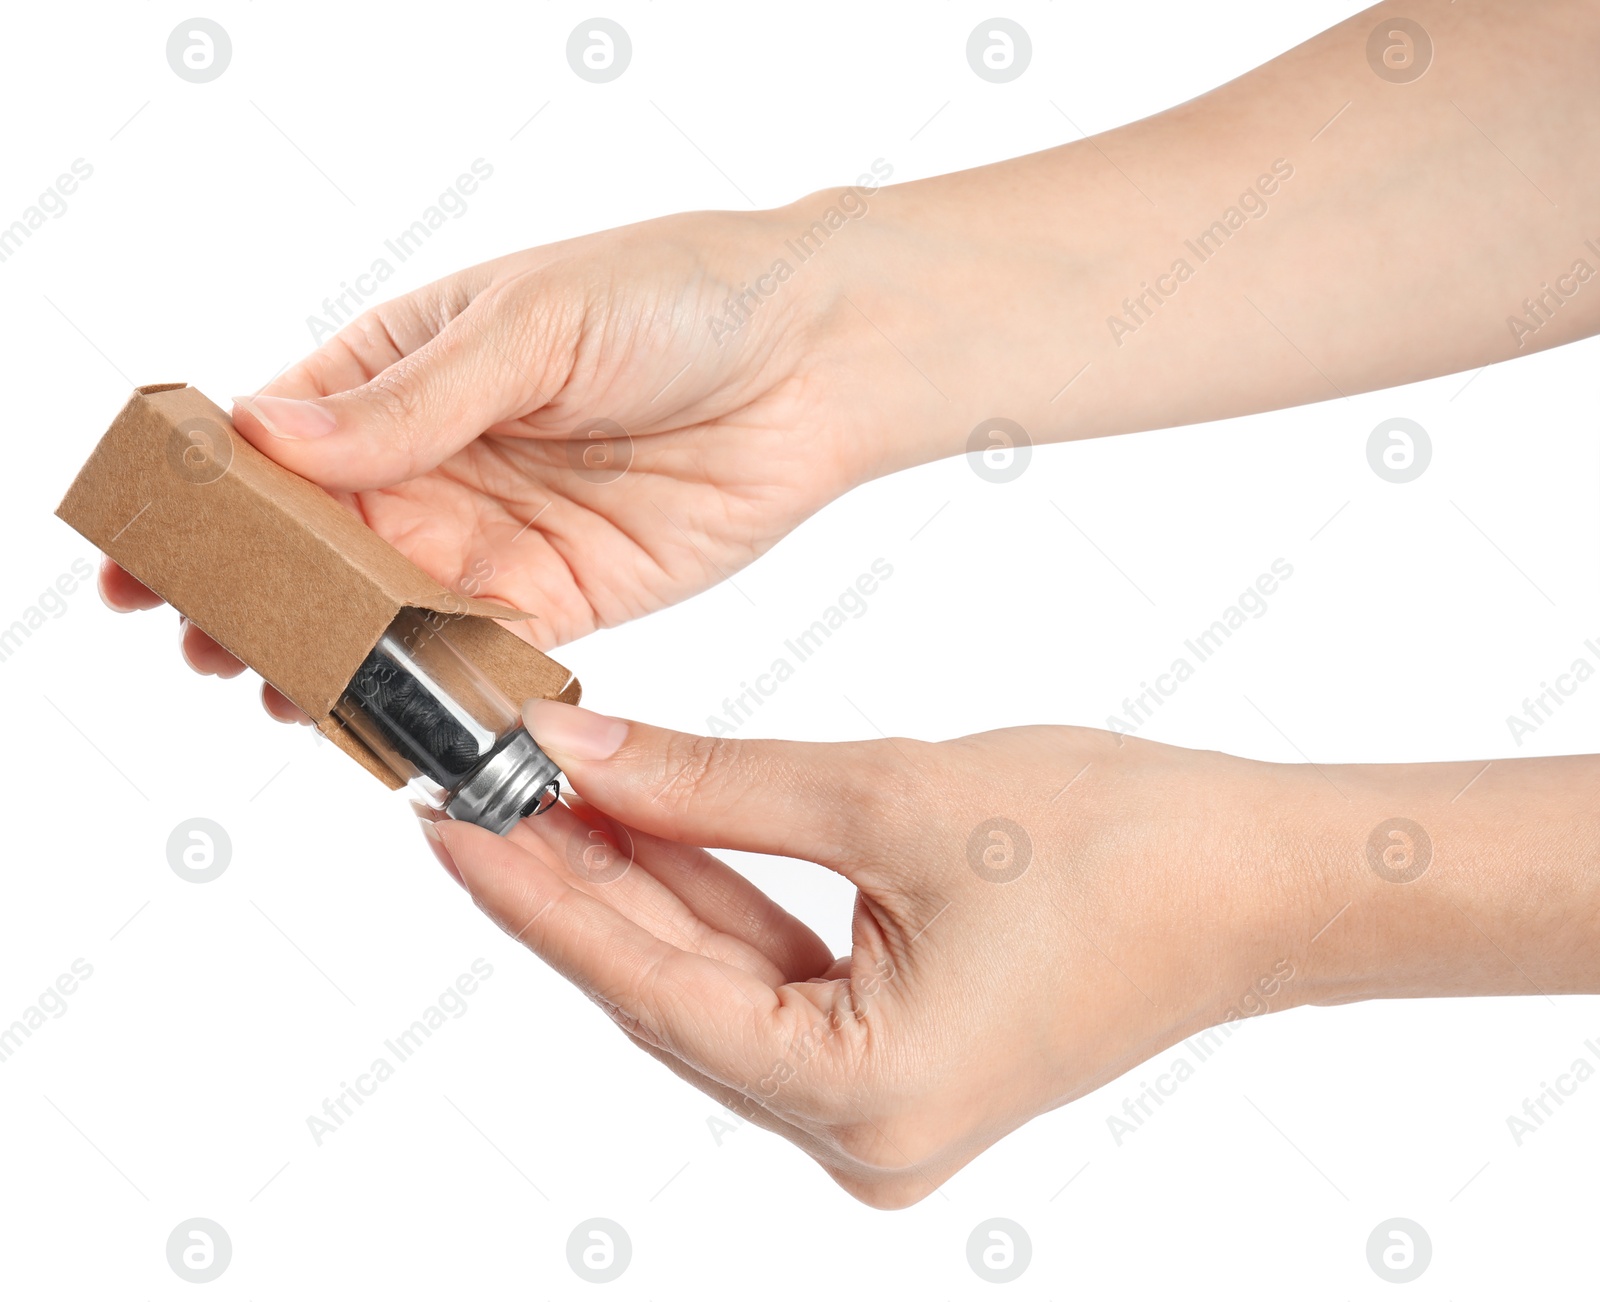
{"type": "Point", "coordinates": [518, 779]}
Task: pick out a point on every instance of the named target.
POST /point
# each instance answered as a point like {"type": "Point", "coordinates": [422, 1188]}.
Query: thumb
{"type": "Point", "coordinates": [401, 423]}
{"type": "Point", "coordinates": [805, 800]}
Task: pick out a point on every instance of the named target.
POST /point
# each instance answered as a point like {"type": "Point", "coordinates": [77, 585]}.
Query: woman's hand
{"type": "Point", "coordinates": [1038, 911]}
{"type": "Point", "coordinates": [1191, 266]}
{"type": "Point", "coordinates": [592, 430]}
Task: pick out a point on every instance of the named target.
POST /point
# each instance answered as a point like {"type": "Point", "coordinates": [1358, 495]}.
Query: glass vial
{"type": "Point", "coordinates": [437, 721]}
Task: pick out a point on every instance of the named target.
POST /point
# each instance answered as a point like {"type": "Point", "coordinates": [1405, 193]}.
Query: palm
{"type": "Point", "coordinates": [512, 518]}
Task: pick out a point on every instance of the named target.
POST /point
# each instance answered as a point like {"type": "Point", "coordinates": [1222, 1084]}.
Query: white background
{"type": "Point", "coordinates": [218, 1016]}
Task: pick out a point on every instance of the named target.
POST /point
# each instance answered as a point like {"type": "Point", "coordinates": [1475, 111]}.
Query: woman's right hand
{"type": "Point", "coordinates": [1037, 910]}
{"type": "Point", "coordinates": [588, 431]}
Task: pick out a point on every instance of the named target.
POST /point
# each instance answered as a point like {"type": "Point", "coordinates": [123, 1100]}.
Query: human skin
{"type": "Point", "coordinates": [1158, 891]}
{"type": "Point", "coordinates": [1163, 885]}
{"type": "Point", "coordinates": [1410, 229]}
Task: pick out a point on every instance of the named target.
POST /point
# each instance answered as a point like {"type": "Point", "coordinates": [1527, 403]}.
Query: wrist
{"type": "Point", "coordinates": [984, 294]}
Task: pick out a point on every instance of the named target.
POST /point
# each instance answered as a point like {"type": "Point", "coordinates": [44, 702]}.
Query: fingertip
{"type": "Point", "coordinates": [121, 591]}
{"type": "Point", "coordinates": [500, 876]}
{"type": "Point", "coordinates": [307, 437]}
{"type": "Point", "coordinates": [247, 423]}
{"type": "Point", "coordinates": [293, 419]}
{"type": "Point", "coordinates": [430, 824]}
{"type": "Point", "coordinates": [205, 655]}
{"type": "Point", "coordinates": [444, 829]}
{"type": "Point", "coordinates": [280, 707]}
{"type": "Point", "coordinates": [571, 733]}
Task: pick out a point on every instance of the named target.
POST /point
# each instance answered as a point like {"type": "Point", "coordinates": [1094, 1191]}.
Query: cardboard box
{"type": "Point", "coordinates": [271, 566]}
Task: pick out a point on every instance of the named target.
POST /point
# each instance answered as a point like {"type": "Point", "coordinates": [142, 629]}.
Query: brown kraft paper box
{"type": "Point", "coordinates": [269, 565]}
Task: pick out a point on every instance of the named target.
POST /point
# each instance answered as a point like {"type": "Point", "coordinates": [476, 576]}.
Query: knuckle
{"type": "Point", "coordinates": [370, 340]}
{"type": "Point", "coordinates": [399, 398]}
{"type": "Point", "coordinates": [530, 318]}
{"type": "Point", "coordinates": [397, 392]}
{"type": "Point", "coordinates": [693, 770]}
{"type": "Point", "coordinates": [308, 374]}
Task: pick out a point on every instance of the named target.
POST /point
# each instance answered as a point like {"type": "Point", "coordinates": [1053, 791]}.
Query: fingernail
{"type": "Point", "coordinates": [290, 418]}
{"type": "Point", "coordinates": [567, 732]}
{"type": "Point", "coordinates": [436, 843]}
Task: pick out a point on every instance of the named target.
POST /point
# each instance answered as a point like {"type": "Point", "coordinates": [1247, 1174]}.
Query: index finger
{"type": "Point", "coordinates": [721, 1020]}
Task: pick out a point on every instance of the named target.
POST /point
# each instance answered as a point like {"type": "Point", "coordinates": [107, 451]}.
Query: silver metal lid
{"type": "Point", "coordinates": [517, 780]}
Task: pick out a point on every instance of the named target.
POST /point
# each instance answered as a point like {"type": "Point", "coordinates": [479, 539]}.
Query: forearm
{"type": "Point", "coordinates": [1497, 894]}
{"type": "Point", "coordinates": [1307, 231]}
